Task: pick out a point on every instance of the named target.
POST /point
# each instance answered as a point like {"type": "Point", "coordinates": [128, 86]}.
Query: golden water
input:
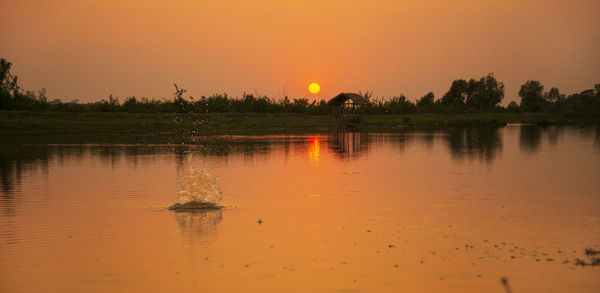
{"type": "Point", "coordinates": [446, 211]}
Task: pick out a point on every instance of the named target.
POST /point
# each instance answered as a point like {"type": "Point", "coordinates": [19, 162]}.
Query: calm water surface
{"type": "Point", "coordinates": [444, 211]}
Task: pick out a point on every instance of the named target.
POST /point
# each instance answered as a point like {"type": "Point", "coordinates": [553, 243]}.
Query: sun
{"type": "Point", "coordinates": [314, 88]}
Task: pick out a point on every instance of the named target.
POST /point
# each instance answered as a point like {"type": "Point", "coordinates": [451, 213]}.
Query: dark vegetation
{"type": "Point", "coordinates": [194, 205]}
{"type": "Point", "coordinates": [472, 96]}
{"type": "Point", "coordinates": [594, 261]}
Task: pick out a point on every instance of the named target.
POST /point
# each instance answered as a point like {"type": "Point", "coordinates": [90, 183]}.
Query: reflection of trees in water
{"type": "Point", "coordinates": [554, 133]}
{"type": "Point", "coordinates": [226, 147]}
{"type": "Point", "coordinates": [530, 138]}
{"type": "Point", "coordinates": [349, 144]}
{"type": "Point", "coordinates": [397, 141]}
{"type": "Point", "coordinates": [16, 160]}
{"type": "Point", "coordinates": [484, 143]}
{"type": "Point", "coordinates": [427, 139]}
{"type": "Point", "coordinates": [110, 155]}
{"type": "Point", "coordinates": [587, 133]}
{"type": "Point", "coordinates": [198, 224]}
{"type": "Point", "coordinates": [477, 142]}
{"type": "Point", "coordinates": [597, 137]}
{"type": "Point", "coordinates": [19, 159]}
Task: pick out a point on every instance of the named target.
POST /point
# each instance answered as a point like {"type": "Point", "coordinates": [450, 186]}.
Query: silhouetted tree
{"type": "Point", "coordinates": [8, 84]}
{"type": "Point", "coordinates": [513, 106]}
{"type": "Point", "coordinates": [485, 94]}
{"type": "Point", "coordinates": [425, 103]}
{"type": "Point", "coordinates": [397, 105]}
{"type": "Point", "coordinates": [107, 105]}
{"type": "Point", "coordinates": [181, 105]}
{"type": "Point", "coordinates": [532, 96]}
{"type": "Point", "coordinates": [553, 95]}
{"type": "Point", "coordinates": [555, 101]}
{"type": "Point", "coordinates": [586, 101]}
{"type": "Point", "coordinates": [457, 94]}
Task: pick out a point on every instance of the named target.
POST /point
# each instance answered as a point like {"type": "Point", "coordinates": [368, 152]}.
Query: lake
{"type": "Point", "coordinates": [450, 210]}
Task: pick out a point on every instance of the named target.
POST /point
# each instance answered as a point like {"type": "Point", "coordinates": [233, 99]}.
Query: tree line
{"type": "Point", "coordinates": [482, 95]}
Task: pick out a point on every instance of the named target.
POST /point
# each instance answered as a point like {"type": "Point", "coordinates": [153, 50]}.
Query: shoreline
{"type": "Point", "coordinates": [21, 123]}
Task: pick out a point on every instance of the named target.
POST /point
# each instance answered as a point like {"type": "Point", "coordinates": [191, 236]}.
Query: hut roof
{"type": "Point", "coordinates": [343, 97]}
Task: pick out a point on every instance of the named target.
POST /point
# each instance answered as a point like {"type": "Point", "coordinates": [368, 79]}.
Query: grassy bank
{"type": "Point", "coordinates": [14, 123]}
{"type": "Point", "coordinates": [158, 127]}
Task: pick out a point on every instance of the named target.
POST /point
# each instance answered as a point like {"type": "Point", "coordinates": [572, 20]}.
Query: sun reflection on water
{"type": "Point", "coordinates": [314, 149]}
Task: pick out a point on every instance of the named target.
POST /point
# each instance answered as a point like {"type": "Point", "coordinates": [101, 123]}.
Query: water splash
{"type": "Point", "coordinates": [197, 189]}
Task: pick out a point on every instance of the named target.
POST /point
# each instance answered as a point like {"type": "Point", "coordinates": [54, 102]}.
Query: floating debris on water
{"type": "Point", "coordinates": [594, 262]}
{"type": "Point", "coordinates": [504, 282]}
{"type": "Point", "coordinates": [195, 205]}
{"type": "Point", "coordinates": [590, 251]}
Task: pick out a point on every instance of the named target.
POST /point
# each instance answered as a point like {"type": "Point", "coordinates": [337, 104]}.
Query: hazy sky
{"type": "Point", "coordinates": [87, 50]}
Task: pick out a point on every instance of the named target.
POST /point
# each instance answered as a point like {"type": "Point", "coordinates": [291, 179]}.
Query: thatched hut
{"type": "Point", "coordinates": [349, 100]}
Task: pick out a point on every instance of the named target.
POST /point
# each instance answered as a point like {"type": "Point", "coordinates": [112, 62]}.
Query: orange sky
{"type": "Point", "coordinates": [87, 50]}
